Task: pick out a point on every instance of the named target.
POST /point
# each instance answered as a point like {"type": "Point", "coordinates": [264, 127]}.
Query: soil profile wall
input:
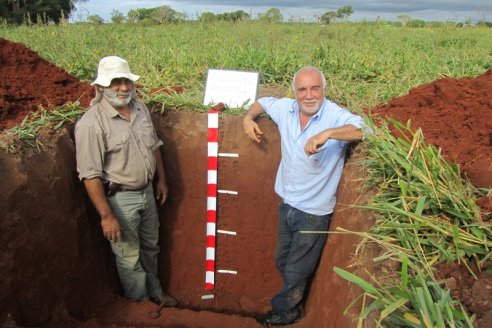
{"type": "Point", "coordinates": [51, 254]}
{"type": "Point", "coordinates": [56, 257]}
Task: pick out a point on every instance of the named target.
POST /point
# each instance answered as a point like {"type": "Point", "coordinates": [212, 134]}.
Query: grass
{"type": "Point", "coordinates": [426, 215]}
{"type": "Point", "coordinates": [414, 301]}
{"type": "Point", "coordinates": [366, 64]}
{"type": "Point", "coordinates": [27, 131]}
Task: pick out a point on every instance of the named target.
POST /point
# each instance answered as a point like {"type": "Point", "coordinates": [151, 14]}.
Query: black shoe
{"type": "Point", "coordinates": [164, 300]}
{"type": "Point", "coordinates": [277, 319]}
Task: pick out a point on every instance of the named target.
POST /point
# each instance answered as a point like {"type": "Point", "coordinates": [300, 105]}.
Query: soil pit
{"type": "Point", "coordinates": [57, 269]}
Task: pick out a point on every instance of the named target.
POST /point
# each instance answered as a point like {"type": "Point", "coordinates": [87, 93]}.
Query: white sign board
{"type": "Point", "coordinates": [233, 88]}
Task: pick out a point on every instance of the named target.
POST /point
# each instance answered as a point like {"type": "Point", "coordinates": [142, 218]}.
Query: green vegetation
{"type": "Point", "coordinates": [426, 213]}
{"type": "Point", "coordinates": [340, 15]}
{"type": "Point", "coordinates": [158, 15]}
{"type": "Point", "coordinates": [272, 15]}
{"type": "Point", "coordinates": [36, 11]}
{"type": "Point", "coordinates": [367, 64]}
{"type": "Point", "coordinates": [415, 301]}
{"type": "Point", "coordinates": [27, 131]}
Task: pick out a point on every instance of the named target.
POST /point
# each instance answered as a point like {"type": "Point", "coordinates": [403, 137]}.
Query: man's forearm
{"type": "Point", "coordinates": [254, 111]}
{"type": "Point", "coordinates": [109, 223]}
{"type": "Point", "coordinates": [159, 164]}
{"type": "Point", "coordinates": [345, 133]}
{"type": "Point", "coordinates": [95, 190]}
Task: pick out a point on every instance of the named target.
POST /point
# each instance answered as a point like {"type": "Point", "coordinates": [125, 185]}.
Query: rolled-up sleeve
{"type": "Point", "coordinates": [345, 117]}
{"type": "Point", "coordinates": [90, 150]}
{"type": "Point", "coordinates": [276, 108]}
{"type": "Point", "coordinates": [158, 142]}
{"type": "Point", "coordinates": [157, 145]}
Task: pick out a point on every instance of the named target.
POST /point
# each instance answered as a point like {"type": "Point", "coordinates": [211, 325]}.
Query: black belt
{"type": "Point", "coordinates": [111, 188]}
{"type": "Point", "coordinates": [128, 189]}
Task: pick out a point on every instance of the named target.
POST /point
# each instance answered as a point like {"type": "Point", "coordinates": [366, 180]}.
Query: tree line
{"type": "Point", "coordinates": [165, 14]}
{"type": "Point", "coordinates": [35, 11]}
{"type": "Point", "coordinates": [46, 11]}
{"type": "Point", "coordinates": [56, 11]}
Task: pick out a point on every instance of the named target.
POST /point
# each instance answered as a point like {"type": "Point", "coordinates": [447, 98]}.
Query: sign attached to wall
{"type": "Point", "coordinates": [234, 88]}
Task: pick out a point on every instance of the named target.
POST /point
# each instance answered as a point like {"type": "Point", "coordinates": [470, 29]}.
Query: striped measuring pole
{"type": "Point", "coordinates": [213, 150]}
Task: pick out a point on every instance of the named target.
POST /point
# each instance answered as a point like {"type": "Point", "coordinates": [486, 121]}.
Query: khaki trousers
{"type": "Point", "coordinates": [136, 252]}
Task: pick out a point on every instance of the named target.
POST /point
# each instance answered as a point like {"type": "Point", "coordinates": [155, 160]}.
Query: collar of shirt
{"type": "Point", "coordinates": [296, 111]}
{"type": "Point", "coordinates": [112, 112]}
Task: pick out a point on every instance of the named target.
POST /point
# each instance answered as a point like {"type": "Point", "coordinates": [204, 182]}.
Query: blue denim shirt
{"type": "Point", "coordinates": [309, 183]}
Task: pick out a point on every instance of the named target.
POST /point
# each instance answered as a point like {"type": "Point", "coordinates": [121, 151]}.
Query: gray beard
{"type": "Point", "coordinates": [112, 97]}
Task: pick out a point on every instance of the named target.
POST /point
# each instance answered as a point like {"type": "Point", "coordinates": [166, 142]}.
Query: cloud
{"type": "Point", "coordinates": [426, 9]}
{"type": "Point", "coordinates": [363, 9]}
{"type": "Point", "coordinates": [373, 5]}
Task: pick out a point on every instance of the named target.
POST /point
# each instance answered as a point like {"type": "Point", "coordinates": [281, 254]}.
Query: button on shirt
{"type": "Point", "coordinates": [309, 183]}
{"type": "Point", "coordinates": [114, 149]}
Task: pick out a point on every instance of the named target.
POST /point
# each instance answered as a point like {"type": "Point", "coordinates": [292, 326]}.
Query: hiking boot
{"type": "Point", "coordinates": [164, 300]}
{"type": "Point", "coordinates": [278, 319]}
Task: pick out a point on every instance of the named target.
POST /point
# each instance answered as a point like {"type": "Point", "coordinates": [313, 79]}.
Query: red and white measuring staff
{"type": "Point", "coordinates": [213, 150]}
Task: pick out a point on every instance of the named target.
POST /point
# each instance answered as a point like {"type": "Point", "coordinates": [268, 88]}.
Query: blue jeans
{"type": "Point", "coordinates": [297, 254]}
{"type": "Point", "coordinates": [136, 252]}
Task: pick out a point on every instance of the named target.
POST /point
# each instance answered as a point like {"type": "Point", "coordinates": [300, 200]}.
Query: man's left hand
{"type": "Point", "coordinates": [315, 142]}
{"type": "Point", "coordinates": [161, 191]}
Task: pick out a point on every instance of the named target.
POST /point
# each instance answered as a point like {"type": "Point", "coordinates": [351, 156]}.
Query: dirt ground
{"type": "Point", "coordinates": [455, 115]}
{"type": "Point", "coordinates": [58, 271]}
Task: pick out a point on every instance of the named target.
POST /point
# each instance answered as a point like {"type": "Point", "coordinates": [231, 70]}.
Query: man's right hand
{"type": "Point", "coordinates": [111, 228]}
{"type": "Point", "coordinates": [110, 225]}
{"type": "Point", "coordinates": [252, 129]}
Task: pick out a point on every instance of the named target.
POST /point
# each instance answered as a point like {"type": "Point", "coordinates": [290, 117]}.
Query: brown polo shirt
{"type": "Point", "coordinates": [114, 149]}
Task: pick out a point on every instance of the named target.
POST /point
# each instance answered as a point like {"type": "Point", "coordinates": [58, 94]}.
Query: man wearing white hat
{"type": "Point", "coordinates": [118, 153]}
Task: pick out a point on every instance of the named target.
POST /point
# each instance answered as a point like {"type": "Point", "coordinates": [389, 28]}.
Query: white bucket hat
{"type": "Point", "coordinates": [113, 67]}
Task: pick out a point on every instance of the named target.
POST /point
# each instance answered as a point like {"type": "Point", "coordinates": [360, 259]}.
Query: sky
{"type": "Point", "coordinates": [307, 10]}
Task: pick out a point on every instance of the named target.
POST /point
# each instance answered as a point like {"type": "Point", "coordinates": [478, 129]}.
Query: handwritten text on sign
{"type": "Point", "coordinates": [233, 88]}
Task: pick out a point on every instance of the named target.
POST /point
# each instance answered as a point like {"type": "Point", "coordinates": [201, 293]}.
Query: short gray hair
{"type": "Point", "coordinates": [308, 68]}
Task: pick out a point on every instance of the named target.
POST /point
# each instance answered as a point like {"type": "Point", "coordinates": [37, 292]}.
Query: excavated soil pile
{"type": "Point", "coordinates": [28, 81]}
{"type": "Point", "coordinates": [456, 116]}
{"type": "Point", "coordinates": [57, 269]}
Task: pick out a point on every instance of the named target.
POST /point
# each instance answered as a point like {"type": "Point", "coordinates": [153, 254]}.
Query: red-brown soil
{"type": "Point", "coordinates": [57, 270]}
{"type": "Point", "coordinates": [474, 294]}
{"type": "Point", "coordinates": [456, 116]}
{"type": "Point", "coordinates": [28, 81]}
